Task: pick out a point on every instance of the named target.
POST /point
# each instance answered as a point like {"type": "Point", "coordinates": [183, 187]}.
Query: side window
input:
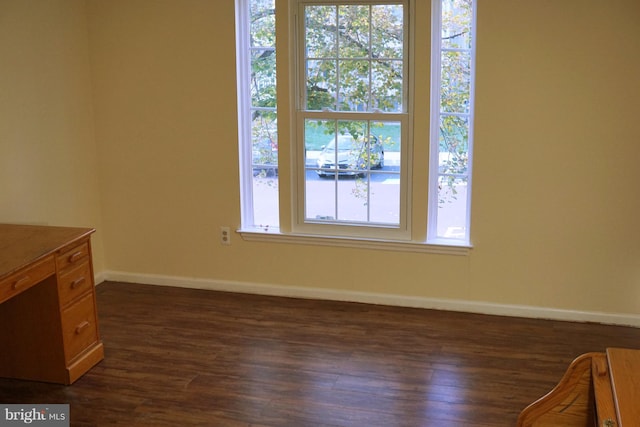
{"type": "Point", "coordinates": [256, 63]}
{"type": "Point", "coordinates": [452, 120]}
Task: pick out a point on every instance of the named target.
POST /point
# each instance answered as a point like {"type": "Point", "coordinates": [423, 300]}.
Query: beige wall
{"type": "Point", "coordinates": [556, 194]}
{"type": "Point", "coordinates": [47, 148]}
{"type": "Point", "coordinates": [557, 183]}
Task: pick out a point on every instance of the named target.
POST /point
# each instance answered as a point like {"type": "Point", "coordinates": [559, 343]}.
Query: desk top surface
{"type": "Point", "coordinates": [624, 365]}
{"type": "Point", "coordinates": [21, 245]}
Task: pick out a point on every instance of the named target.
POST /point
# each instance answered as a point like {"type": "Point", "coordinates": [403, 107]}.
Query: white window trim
{"type": "Point", "coordinates": [301, 225]}
{"type": "Point", "coordinates": [274, 234]}
{"type": "Point", "coordinates": [436, 75]}
{"type": "Point", "coordinates": [243, 64]}
{"type": "Point", "coordinates": [271, 235]}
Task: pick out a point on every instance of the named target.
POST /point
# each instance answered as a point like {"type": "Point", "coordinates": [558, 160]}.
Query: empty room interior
{"type": "Point", "coordinates": [124, 117]}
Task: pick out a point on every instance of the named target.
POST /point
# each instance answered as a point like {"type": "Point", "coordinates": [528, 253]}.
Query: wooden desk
{"type": "Point", "coordinates": [598, 389]}
{"type": "Point", "coordinates": [48, 318]}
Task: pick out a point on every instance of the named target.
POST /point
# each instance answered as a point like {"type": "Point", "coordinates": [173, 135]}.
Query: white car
{"type": "Point", "coordinates": [352, 156]}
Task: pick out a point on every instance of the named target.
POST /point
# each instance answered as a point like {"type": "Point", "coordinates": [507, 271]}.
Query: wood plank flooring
{"type": "Point", "coordinates": [185, 357]}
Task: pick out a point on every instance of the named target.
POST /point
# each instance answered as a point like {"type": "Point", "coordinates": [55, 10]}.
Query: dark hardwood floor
{"type": "Point", "coordinates": [185, 357]}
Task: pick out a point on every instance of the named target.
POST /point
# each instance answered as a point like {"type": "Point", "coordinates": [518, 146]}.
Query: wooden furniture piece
{"type": "Point", "coordinates": [598, 389]}
{"type": "Point", "coordinates": [48, 318]}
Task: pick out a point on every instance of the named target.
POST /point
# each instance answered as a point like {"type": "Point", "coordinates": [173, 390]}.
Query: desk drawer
{"type": "Point", "coordinates": [79, 326]}
{"type": "Point", "coordinates": [74, 283]}
{"type": "Point", "coordinates": [73, 256]}
{"type": "Point", "coordinates": [25, 278]}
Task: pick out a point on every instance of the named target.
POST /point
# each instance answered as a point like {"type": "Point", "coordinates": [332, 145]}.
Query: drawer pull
{"type": "Point", "coordinates": [77, 283]}
{"type": "Point", "coordinates": [76, 256]}
{"type": "Point", "coordinates": [20, 282]}
{"type": "Point", "coordinates": [82, 326]}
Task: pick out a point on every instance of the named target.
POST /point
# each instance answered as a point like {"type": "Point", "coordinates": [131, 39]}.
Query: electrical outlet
{"type": "Point", "coordinates": [225, 235]}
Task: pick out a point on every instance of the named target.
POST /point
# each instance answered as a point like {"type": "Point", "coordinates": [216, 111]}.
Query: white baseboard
{"type": "Point", "coordinates": [100, 277]}
{"type": "Point", "coordinates": [374, 298]}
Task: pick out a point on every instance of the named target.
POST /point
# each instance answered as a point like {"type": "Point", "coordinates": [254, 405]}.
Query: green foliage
{"type": "Point", "coordinates": [354, 62]}
{"type": "Point", "coordinates": [353, 57]}
{"type": "Point", "coordinates": [455, 92]}
{"type": "Point", "coordinates": [263, 87]}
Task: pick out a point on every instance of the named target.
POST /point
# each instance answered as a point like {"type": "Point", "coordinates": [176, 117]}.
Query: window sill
{"type": "Point", "coordinates": [443, 247]}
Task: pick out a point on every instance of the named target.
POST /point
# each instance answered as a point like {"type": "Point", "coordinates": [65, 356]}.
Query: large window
{"type": "Point", "coordinates": [352, 118]}
{"type": "Point", "coordinates": [348, 136]}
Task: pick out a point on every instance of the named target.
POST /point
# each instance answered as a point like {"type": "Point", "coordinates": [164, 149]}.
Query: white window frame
{"type": "Point", "coordinates": [302, 225]}
{"type": "Point", "coordinates": [436, 113]}
{"type": "Point", "coordinates": [289, 231]}
{"type": "Point", "coordinates": [245, 108]}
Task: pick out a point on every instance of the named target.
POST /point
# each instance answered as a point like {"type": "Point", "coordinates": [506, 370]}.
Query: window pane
{"type": "Point", "coordinates": [456, 82]}
{"type": "Point", "coordinates": [264, 139]}
{"type": "Point", "coordinates": [265, 201]}
{"type": "Point", "coordinates": [263, 81]}
{"type": "Point", "coordinates": [354, 85]}
{"type": "Point", "coordinates": [264, 164]}
{"type": "Point", "coordinates": [389, 137]}
{"type": "Point", "coordinates": [386, 81]}
{"type": "Point", "coordinates": [384, 201]}
{"type": "Point", "coordinates": [353, 25]}
{"type": "Point", "coordinates": [347, 150]}
{"type": "Point", "coordinates": [263, 23]}
{"type": "Point", "coordinates": [454, 144]}
{"type": "Point", "coordinates": [317, 134]}
{"type": "Point", "coordinates": [321, 31]}
{"type": "Point", "coordinates": [452, 208]}
{"type": "Point", "coordinates": [353, 197]}
{"type": "Point", "coordinates": [321, 85]}
{"type": "Point", "coordinates": [322, 208]}
{"type": "Point", "coordinates": [456, 23]}
{"type": "Point", "coordinates": [387, 35]}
